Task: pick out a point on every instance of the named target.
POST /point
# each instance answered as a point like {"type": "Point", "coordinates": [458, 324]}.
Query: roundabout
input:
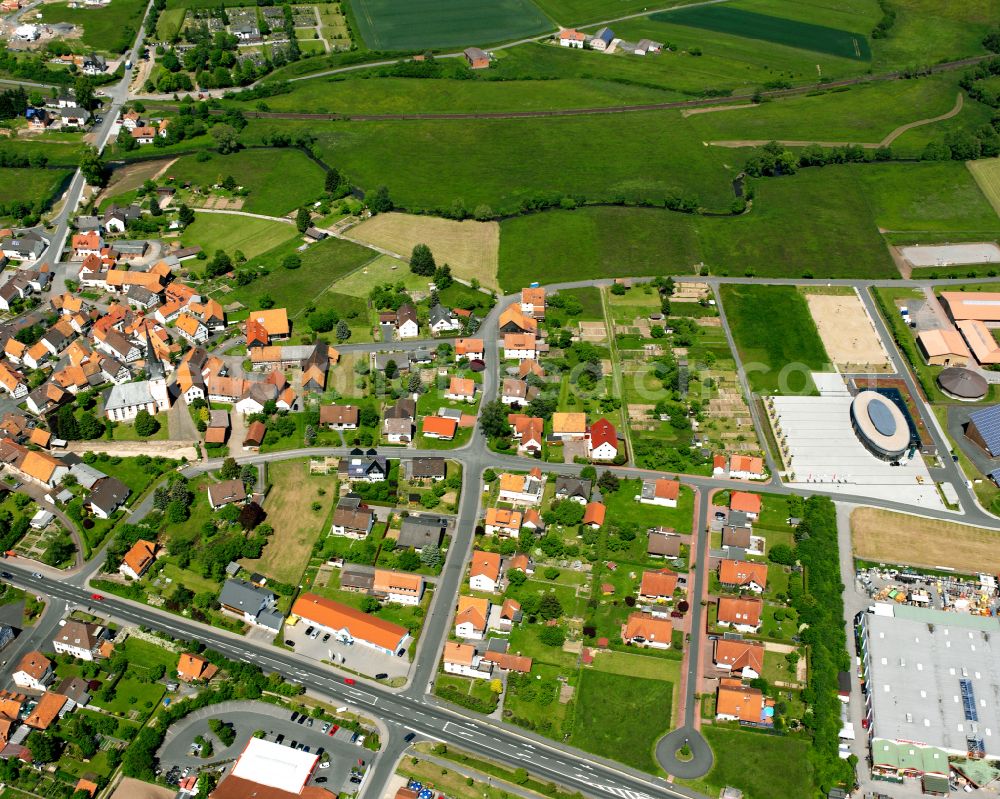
{"type": "Point", "coordinates": [684, 753]}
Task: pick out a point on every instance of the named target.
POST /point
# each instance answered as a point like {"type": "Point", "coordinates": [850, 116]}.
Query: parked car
{"type": "Point", "coordinates": [295, 715]}
{"type": "Point", "coordinates": [289, 642]}
{"type": "Point", "coordinates": [409, 737]}
{"type": "Point", "coordinates": [325, 764]}
{"type": "Point", "coordinates": [381, 676]}
{"type": "Point", "coordinates": [326, 727]}
{"type": "Point", "coordinates": [321, 779]}
{"type": "Point", "coordinates": [279, 739]}
{"type": "Point", "coordinates": [326, 638]}
{"type": "Point", "coordinates": [349, 681]}
{"type": "Point", "coordinates": [309, 630]}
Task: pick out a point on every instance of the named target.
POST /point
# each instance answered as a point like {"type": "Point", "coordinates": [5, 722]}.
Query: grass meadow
{"type": "Point", "coordinates": [420, 24]}
{"type": "Point", "coordinates": [818, 222]}
{"type": "Point", "coordinates": [771, 756]}
{"type": "Point", "coordinates": [279, 181]}
{"type": "Point", "coordinates": [250, 236]}
{"type": "Point", "coordinates": [643, 155]}
{"type": "Point", "coordinates": [323, 264]}
{"type": "Point", "coordinates": [772, 328]}
{"type": "Point", "coordinates": [627, 728]}
{"type": "Point", "coordinates": [169, 23]}
{"type": "Point", "coordinates": [986, 171]}
{"type": "Point", "coordinates": [109, 29]}
{"type": "Point", "coordinates": [367, 94]}
{"type": "Point", "coordinates": [31, 184]}
{"type": "Point", "coordinates": [865, 113]}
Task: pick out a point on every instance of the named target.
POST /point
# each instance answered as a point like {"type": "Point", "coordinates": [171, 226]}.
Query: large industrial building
{"type": "Point", "coordinates": [932, 688]}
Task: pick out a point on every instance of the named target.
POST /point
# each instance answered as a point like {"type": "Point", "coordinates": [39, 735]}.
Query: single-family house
{"type": "Point", "coordinates": [528, 432]}
{"type": "Point", "coordinates": [517, 392]}
{"type": "Point", "coordinates": [603, 441]}
{"type": "Point", "coordinates": [79, 639]}
{"type": "Point", "coordinates": [739, 657]}
{"type": "Point", "coordinates": [443, 320]}
{"type": "Point", "coordinates": [575, 489]}
{"type": "Point", "coordinates": [400, 588]}
{"type": "Point", "coordinates": [524, 489]}
{"type": "Point", "coordinates": [484, 571]}
{"type": "Point", "coordinates": [661, 492]}
{"type": "Point", "coordinates": [594, 514]}
{"type": "Point", "coordinates": [647, 630]}
{"type": "Point", "coordinates": [106, 496]}
{"type": "Point", "coordinates": [658, 586]}
{"type": "Point", "coordinates": [34, 672]}
{"type": "Point", "coordinates": [471, 618]}
{"type": "Point", "coordinates": [740, 613]}
{"type": "Point", "coordinates": [339, 417]}
{"type": "Point", "coordinates": [469, 348]}
{"type": "Point", "coordinates": [503, 522]}
{"type": "Point", "coordinates": [352, 518]}
{"type": "Point", "coordinates": [602, 39]}
{"type": "Point", "coordinates": [517, 346]}
{"type": "Point", "coordinates": [663, 544]}
{"type": "Point", "coordinates": [461, 389]}
{"type": "Point", "coordinates": [195, 668]}
{"type": "Point", "coordinates": [440, 427]}
{"type": "Point", "coordinates": [417, 532]}
{"type": "Point", "coordinates": [736, 701]}
{"type": "Point", "coordinates": [746, 467]}
{"type": "Point", "coordinates": [138, 559]}
{"type": "Point", "coordinates": [745, 502]}
{"type": "Point", "coordinates": [744, 575]}
{"type": "Point", "coordinates": [476, 58]}
{"type": "Point", "coordinates": [570, 426]}
{"type": "Point", "coordinates": [226, 492]}
{"type": "Point", "coordinates": [252, 604]}
{"type": "Point", "coordinates": [463, 660]}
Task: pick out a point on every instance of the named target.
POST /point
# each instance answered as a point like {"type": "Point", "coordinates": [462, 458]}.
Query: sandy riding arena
{"type": "Point", "coordinates": [847, 332]}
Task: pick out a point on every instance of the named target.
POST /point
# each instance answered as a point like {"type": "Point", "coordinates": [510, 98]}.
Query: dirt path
{"type": "Point", "coordinates": [168, 449]}
{"type": "Point", "coordinates": [282, 219]}
{"type": "Point", "coordinates": [959, 101]}
{"type": "Point", "coordinates": [692, 111]}
{"type": "Point", "coordinates": [888, 140]}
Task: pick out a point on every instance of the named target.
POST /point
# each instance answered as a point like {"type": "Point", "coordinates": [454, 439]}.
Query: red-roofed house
{"type": "Point", "coordinates": [746, 502]}
{"type": "Point", "coordinates": [746, 467]}
{"type": "Point", "coordinates": [660, 492]}
{"type": "Point", "coordinates": [745, 658]}
{"type": "Point", "coordinates": [658, 586]}
{"type": "Point", "coordinates": [603, 441]}
{"type": "Point", "coordinates": [593, 515]}
{"type": "Point", "coordinates": [743, 574]}
{"type": "Point", "coordinates": [740, 614]}
{"type": "Point", "coordinates": [646, 630]}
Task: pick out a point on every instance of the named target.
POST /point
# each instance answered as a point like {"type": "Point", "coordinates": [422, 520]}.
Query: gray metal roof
{"type": "Point", "coordinates": [86, 475]}
{"type": "Point", "coordinates": [935, 680]}
{"type": "Point", "coordinates": [248, 598]}
{"type": "Point", "coordinates": [128, 394]}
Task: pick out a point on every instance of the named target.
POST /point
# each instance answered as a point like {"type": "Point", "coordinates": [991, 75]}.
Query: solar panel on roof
{"type": "Point", "coordinates": [968, 700]}
{"type": "Point", "coordinates": [987, 422]}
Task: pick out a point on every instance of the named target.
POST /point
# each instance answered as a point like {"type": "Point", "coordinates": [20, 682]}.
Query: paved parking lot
{"type": "Point", "coordinates": [356, 657]}
{"type": "Point", "coordinates": [248, 717]}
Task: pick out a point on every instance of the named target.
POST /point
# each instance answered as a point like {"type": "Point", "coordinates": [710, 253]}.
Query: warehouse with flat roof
{"type": "Point", "coordinates": [933, 679]}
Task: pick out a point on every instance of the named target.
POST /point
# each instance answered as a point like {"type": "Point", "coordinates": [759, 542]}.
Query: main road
{"type": "Point", "coordinates": [405, 712]}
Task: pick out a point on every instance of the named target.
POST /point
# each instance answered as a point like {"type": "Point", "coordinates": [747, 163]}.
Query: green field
{"type": "Point", "coordinates": [110, 29]}
{"type": "Point", "coordinates": [279, 180]}
{"type": "Point", "coordinates": [781, 764]}
{"type": "Point", "coordinates": [773, 329]}
{"type": "Point", "coordinates": [31, 185]}
{"type": "Point", "coordinates": [322, 264]}
{"type": "Point", "coordinates": [627, 728]}
{"type": "Point", "coordinates": [820, 222]}
{"type": "Point", "coordinates": [644, 155]}
{"type": "Point", "coordinates": [865, 113]}
{"type": "Point", "coordinates": [169, 23]}
{"type": "Point", "coordinates": [987, 174]}
{"type": "Point", "coordinates": [577, 12]}
{"type": "Point", "coordinates": [774, 30]}
{"type": "Point", "coordinates": [365, 94]}
{"type": "Point", "coordinates": [230, 233]}
{"type": "Point", "coordinates": [56, 152]}
{"type": "Point", "coordinates": [419, 24]}
{"type": "Point", "coordinates": [931, 197]}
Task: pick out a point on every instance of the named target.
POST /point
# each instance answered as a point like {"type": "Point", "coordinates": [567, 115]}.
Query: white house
{"type": "Point", "coordinates": [517, 346]}
{"type": "Point", "coordinates": [484, 571]}
{"type": "Point", "coordinates": [571, 38]}
{"type": "Point", "coordinates": [660, 492]}
{"type": "Point", "coordinates": [78, 639]}
{"type": "Point", "coordinates": [34, 672]}
{"type": "Point", "coordinates": [463, 660]}
{"type": "Point", "coordinates": [406, 322]}
{"type": "Point", "coordinates": [522, 489]}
